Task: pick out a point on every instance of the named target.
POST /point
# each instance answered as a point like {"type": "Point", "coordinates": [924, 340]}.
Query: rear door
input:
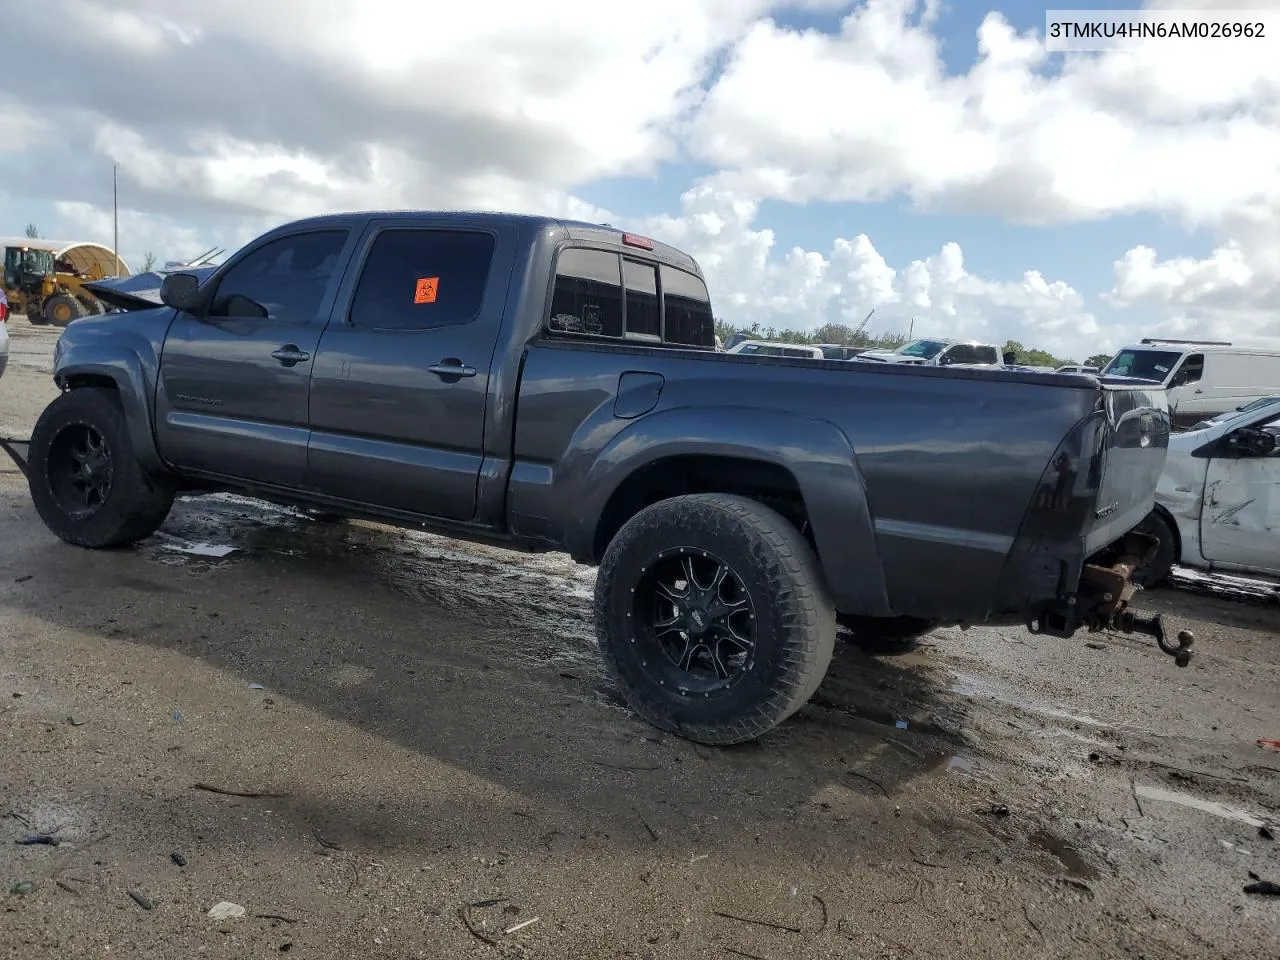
{"type": "Point", "coordinates": [232, 397]}
{"type": "Point", "coordinates": [401, 379]}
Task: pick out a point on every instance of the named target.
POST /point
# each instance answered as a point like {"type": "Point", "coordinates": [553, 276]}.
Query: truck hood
{"type": "Point", "coordinates": [138, 292]}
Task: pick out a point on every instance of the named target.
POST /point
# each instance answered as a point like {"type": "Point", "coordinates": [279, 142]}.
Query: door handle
{"type": "Point", "coordinates": [289, 354]}
{"type": "Point", "coordinates": [451, 369]}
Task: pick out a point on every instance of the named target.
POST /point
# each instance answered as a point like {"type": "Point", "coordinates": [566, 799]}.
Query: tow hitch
{"type": "Point", "coordinates": [1106, 589]}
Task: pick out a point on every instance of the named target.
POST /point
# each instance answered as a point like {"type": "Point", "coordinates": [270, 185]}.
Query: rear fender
{"type": "Point", "coordinates": [816, 453]}
{"type": "Point", "coordinates": [131, 365]}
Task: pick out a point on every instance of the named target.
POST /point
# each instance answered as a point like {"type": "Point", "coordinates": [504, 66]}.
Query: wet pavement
{"type": "Point", "coordinates": [381, 743]}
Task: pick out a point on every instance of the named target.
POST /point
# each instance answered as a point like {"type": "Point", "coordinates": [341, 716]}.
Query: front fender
{"type": "Point", "coordinates": [126, 358]}
{"type": "Point", "coordinates": [816, 453]}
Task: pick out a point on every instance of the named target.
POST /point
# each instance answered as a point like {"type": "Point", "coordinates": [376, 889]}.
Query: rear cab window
{"type": "Point", "coordinates": [604, 294]}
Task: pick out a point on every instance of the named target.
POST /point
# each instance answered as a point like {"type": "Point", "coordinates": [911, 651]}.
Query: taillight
{"type": "Point", "coordinates": [4, 312]}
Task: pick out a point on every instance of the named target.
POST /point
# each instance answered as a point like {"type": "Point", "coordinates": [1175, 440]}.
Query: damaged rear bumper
{"type": "Point", "coordinates": [1103, 598]}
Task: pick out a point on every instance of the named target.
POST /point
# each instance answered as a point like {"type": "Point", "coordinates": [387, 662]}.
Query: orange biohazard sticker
{"type": "Point", "coordinates": [426, 290]}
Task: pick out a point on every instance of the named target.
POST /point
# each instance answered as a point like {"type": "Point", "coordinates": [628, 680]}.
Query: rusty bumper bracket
{"type": "Point", "coordinates": [1106, 589]}
{"type": "Point", "coordinates": [18, 450]}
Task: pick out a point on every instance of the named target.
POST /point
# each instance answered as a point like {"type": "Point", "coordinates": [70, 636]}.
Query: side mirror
{"type": "Point", "coordinates": [181, 291]}
{"type": "Point", "coordinates": [1250, 442]}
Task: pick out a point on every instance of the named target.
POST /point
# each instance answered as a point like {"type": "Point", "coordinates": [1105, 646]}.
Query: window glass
{"type": "Point", "coordinates": [587, 297]}
{"type": "Point", "coordinates": [418, 279]}
{"type": "Point", "coordinates": [1150, 365]}
{"type": "Point", "coordinates": [283, 280]}
{"type": "Point", "coordinates": [1192, 370]}
{"type": "Point", "coordinates": [641, 280]}
{"type": "Point", "coordinates": [689, 318]}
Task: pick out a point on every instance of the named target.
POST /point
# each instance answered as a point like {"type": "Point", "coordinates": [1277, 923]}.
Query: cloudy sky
{"type": "Point", "coordinates": [819, 157]}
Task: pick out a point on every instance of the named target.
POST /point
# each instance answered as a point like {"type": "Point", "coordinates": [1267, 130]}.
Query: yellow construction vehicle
{"type": "Point", "coordinates": [45, 279]}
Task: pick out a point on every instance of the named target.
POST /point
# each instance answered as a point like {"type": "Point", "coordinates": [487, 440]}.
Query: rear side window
{"type": "Point", "coordinates": [689, 318]}
{"type": "Point", "coordinates": [418, 279]}
{"type": "Point", "coordinates": [587, 297]}
{"type": "Point", "coordinates": [282, 280]}
{"type": "Point", "coordinates": [643, 318]}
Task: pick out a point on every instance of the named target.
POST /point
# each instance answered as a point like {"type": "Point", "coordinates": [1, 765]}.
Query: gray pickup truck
{"type": "Point", "coordinates": [550, 385]}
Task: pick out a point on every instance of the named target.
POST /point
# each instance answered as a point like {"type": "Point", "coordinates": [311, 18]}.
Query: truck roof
{"type": "Point", "coordinates": [577, 229]}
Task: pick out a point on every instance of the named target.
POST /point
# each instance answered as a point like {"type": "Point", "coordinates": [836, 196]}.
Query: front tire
{"type": "Point", "coordinates": [84, 475]}
{"type": "Point", "coordinates": [713, 617]}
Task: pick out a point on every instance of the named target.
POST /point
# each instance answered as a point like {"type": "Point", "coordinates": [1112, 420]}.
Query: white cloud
{"type": "Point", "coordinates": [804, 289]}
{"type": "Point", "coordinates": [227, 118]}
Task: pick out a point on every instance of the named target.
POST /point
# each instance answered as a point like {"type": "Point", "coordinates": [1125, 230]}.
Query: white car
{"type": "Point", "coordinates": [930, 352]}
{"type": "Point", "coordinates": [1218, 500]}
{"type": "Point", "coordinates": [768, 348]}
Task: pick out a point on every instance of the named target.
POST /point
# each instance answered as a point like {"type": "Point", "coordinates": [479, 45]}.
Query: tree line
{"type": "Point", "coordinates": [848, 336]}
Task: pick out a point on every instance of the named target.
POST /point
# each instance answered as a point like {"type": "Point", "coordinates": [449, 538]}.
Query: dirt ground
{"type": "Point", "coordinates": [426, 726]}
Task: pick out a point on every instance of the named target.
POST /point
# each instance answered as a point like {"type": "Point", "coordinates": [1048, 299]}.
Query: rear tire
{"type": "Point", "coordinates": [737, 649]}
{"type": "Point", "coordinates": [1156, 570]}
{"type": "Point", "coordinates": [84, 475]}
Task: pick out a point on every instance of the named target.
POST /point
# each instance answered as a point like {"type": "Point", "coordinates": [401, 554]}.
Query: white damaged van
{"type": "Point", "coordinates": [1203, 379]}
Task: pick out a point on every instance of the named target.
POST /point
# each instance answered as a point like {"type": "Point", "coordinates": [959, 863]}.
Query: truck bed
{"type": "Point", "coordinates": [962, 469]}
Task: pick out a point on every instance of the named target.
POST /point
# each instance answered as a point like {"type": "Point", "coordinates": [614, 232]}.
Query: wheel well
{"type": "Point", "coordinates": [77, 380]}
{"type": "Point", "coordinates": [768, 483]}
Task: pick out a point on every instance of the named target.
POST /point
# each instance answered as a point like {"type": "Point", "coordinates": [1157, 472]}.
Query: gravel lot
{"type": "Point", "coordinates": [427, 727]}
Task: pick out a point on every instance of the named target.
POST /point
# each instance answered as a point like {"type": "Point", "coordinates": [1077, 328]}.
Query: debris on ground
{"type": "Point", "coordinates": [141, 899]}
{"type": "Point", "coordinates": [1270, 744]}
{"type": "Point", "coordinates": [22, 887]}
{"type": "Point", "coordinates": [1265, 833]}
{"type": "Point", "coordinates": [256, 686]}
{"type": "Point", "coordinates": [1263, 888]}
{"type": "Point", "coordinates": [178, 859]}
{"type": "Point", "coordinates": [226, 910]}
{"type": "Point", "coordinates": [995, 810]}
{"type": "Point", "coordinates": [520, 926]}
{"type": "Point", "coordinates": [76, 721]}
{"type": "Point", "coordinates": [36, 839]}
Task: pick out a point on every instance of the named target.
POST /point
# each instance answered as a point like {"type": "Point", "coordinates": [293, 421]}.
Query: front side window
{"type": "Point", "coordinates": [282, 280]}
{"type": "Point", "coordinates": [587, 296]}
{"type": "Point", "coordinates": [689, 318]}
{"type": "Point", "coordinates": [420, 279]}
{"type": "Point", "coordinates": [1191, 371]}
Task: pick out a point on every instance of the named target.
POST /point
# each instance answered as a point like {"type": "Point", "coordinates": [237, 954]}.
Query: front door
{"type": "Point", "coordinates": [1241, 513]}
{"type": "Point", "coordinates": [234, 377]}
{"type": "Point", "coordinates": [401, 381]}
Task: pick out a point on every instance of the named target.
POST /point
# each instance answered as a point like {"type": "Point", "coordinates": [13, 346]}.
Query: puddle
{"type": "Point", "coordinates": [975, 688]}
{"type": "Point", "coordinates": [543, 601]}
{"type": "Point", "coordinates": [963, 765]}
{"type": "Point", "coordinates": [1196, 803]}
{"type": "Point", "coordinates": [1067, 855]}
